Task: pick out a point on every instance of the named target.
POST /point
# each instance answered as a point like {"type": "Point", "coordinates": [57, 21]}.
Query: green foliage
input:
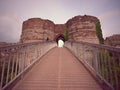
{"type": "Point", "coordinates": [66, 34]}
{"type": "Point", "coordinates": [99, 33]}
{"type": "Point", "coordinates": [109, 65]}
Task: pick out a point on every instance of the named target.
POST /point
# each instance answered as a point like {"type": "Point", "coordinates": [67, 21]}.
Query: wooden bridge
{"type": "Point", "coordinates": [43, 66]}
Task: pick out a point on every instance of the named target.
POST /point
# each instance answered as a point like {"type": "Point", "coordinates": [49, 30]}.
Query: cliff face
{"type": "Point", "coordinates": [113, 40]}
{"type": "Point", "coordinates": [81, 28]}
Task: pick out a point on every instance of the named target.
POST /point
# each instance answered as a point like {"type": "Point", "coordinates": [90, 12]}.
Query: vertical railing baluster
{"type": "Point", "coordinates": [8, 68]}
{"type": "Point", "coordinates": [13, 63]}
{"type": "Point", "coordinates": [105, 61]}
{"type": "Point", "coordinates": [43, 49]}
{"type": "Point", "coordinates": [37, 52]}
{"type": "Point", "coordinates": [17, 62]}
{"type": "Point", "coordinates": [83, 58]}
{"type": "Point", "coordinates": [119, 58]}
{"type": "Point", "coordinates": [96, 60]}
{"type": "Point", "coordinates": [3, 68]}
{"type": "Point", "coordinates": [99, 67]}
{"type": "Point", "coordinates": [28, 56]}
{"type": "Point", "coordinates": [102, 65]}
{"type": "Point", "coordinates": [34, 53]}
{"type": "Point", "coordinates": [0, 68]}
{"type": "Point", "coordinates": [20, 60]}
{"type": "Point", "coordinates": [115, 71]}
{"type": "Point", "coordinates": [118, 70]}
{"type": "Point", "coordinates": [110, 69]}
{"type": "Point", "coordinates": [25, 61]}
{"type": "Point", "coordinates": [40, 50]}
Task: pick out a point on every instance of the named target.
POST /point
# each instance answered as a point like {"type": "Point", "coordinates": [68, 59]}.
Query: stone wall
{"type": "Point", "coordinates": [3, 44]}
{"type": "Point", "coordinates": [36, 29]}
{"type": "Point", "coordinates": [81, 28]}
{"type": "Point", "coordinates": [59, 29]}
{"type": "Point", "coordinates": [113, 40]}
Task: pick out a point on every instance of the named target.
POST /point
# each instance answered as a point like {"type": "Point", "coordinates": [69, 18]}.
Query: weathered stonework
{"type": "Point", "coordinates": [80, 28]}
{"type": "Point", "coordinates": [113, 40]}
{"type": "Point", "coordinates": [37, 29]}
{"type": "Point", "coordinates": [3, 44]}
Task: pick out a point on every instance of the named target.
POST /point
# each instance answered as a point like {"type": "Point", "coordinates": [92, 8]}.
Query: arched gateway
{"type": "Point", "coordinates": [59, 37]}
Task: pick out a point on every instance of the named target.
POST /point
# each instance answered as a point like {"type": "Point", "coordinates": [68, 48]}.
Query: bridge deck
{"type": "Point", "coordinates": [58, 70]}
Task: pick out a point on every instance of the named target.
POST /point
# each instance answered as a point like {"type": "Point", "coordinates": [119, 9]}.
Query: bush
{"type": "Point", "coordinates": [99, 33]}
{"type": "Point", "coordinates": [66, 34]}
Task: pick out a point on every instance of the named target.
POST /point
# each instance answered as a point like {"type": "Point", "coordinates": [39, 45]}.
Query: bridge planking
{"type": "Point", "coordinates": [58, 70]}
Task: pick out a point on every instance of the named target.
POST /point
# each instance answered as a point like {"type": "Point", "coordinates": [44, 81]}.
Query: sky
{"type": "Point", "coordinates": [14, 12]}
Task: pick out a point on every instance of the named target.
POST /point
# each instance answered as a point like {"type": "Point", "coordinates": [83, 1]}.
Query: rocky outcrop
{"type": "Point", "coordinates": [80, 28]}
{"type": "Point", "coordinates": [113, 40]}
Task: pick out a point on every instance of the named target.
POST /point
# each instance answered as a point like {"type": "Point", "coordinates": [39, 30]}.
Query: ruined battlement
{"type": "Point", "coordinates": [80, 28]}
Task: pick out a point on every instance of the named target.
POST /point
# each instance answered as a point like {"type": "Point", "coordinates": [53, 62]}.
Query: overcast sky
{"type": "Point", "coordinates": [14, 12]}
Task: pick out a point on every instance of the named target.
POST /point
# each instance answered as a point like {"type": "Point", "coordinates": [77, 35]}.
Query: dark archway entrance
{"type": "Point", "coordinates": [60, 37]}
{"type": "Point", "coordinates": [60, 40]}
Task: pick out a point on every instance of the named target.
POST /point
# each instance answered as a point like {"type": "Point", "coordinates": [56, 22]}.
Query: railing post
{"type": "Point", "coordinates": [110, 69]}
{"type": "Point", "coordinates": [106, 61]}
{"type": "Point", "coordinates": [13, 63]}
{"type": "Point", "coordinates": [14, 60]}
{"type": "Point", "coordinates": [8, 68]}
{"type": "Point", "coordinates": [106, 64]}
{"type": "Point", "coordinates": [3, 69]}
{"type": "Point", "coordinates": [96, 67]}
{"type": "Point", "coordinates": [115, 71]}
{"type": "Point", "coordinates": [119, 58]}
{"type": "Point", "coordinates": [20, 60]}
{"type": "Point", "coordinates": [17, 62]}
{"type": "Point", "coordinates": [102, 62]}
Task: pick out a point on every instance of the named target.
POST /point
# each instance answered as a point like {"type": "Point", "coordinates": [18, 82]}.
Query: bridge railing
{"type": "Point", "coordinates": [102, 61]}
{"type": "Point", "coordinates": [15, 60]}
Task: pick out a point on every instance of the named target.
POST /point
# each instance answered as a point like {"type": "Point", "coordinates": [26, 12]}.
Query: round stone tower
{"type": "Point", "coordinates": [36, 29]}
{"type": "Point", "coordinates": [82, 28]}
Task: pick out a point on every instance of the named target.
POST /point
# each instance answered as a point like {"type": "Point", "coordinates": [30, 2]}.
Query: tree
{"type": "Point", "coordinates": [99, 32]}
{"type": "Point", "coordinates": [66, 34]}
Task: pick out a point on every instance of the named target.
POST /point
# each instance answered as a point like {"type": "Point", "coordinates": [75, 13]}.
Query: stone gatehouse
{"type": "Point", "coordinates": [80, 28]}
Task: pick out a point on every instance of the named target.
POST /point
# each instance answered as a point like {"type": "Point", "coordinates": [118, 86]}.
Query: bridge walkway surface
{"type": "Point", "coordinates": [59, 69]}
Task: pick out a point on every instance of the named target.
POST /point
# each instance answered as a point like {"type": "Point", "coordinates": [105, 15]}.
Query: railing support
{"type": "Point", "coordinates": [15, 60]}
{"type": "Point", "coordinates": [101, 60]}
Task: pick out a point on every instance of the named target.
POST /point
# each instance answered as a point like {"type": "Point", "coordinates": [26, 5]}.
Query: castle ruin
{"type": "Point", "coordinates": [80, 28]}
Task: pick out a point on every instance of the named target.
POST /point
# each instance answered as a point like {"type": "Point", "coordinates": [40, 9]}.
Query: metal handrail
{"type": "Point", "coordinates": [112, 48]}
{"type": "Point", "coordinates": [17, 59]}
{"type": "Point", "coordinates": [103, 61]}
